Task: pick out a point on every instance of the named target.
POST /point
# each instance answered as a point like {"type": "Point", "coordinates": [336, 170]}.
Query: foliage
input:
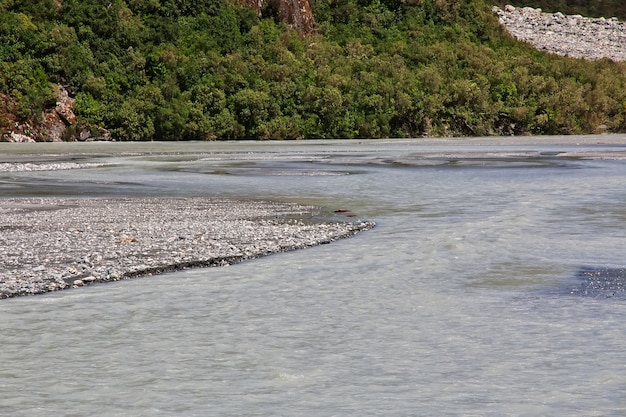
{"type": "Point", "coordinates": [591, 8]}
{"type": "Point", "coordinates": [211, 69]}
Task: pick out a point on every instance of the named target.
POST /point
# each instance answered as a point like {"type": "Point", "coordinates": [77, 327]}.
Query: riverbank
{"type": "Point", "coordinates": [575, 36]}
{"type": "Point", "coordinates": [51, 244]}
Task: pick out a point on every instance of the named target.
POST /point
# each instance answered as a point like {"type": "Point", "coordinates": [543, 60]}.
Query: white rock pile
{"type": "Point", "coordinates": [566, 35]}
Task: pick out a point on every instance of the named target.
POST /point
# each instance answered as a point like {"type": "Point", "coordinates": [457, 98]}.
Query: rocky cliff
{"type": "Point", "coordinates": [296, 13]}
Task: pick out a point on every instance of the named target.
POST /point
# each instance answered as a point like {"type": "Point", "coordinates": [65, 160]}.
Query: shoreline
{"type": "Point", "coordinates": [52, 244]}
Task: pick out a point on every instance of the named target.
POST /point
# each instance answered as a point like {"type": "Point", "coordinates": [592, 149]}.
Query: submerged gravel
{"type": "Point", "coordinates": [49, 244]}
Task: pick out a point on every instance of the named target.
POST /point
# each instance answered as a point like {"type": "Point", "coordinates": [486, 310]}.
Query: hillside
{"type": "Point", "coordinates": [214, 69]}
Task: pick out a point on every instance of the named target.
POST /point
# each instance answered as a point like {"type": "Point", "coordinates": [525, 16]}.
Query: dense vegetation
{"type": "Point", "coordinates": [591, 8]}
{"type": "Point", "coordinates": [211, 69]}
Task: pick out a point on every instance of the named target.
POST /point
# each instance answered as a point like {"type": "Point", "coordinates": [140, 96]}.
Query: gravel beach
{"type": "Point", "coordinates": [568, 35]}
{"type": "Point", "coordinates": [50, 244]}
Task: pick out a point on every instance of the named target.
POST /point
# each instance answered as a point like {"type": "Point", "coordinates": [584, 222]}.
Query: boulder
{"type": "Point", "coordinates": [52, 127]}
{"type": "Point", "coordinates": [91, 134]}
{"type": "Point", "coordinates": [65, 107]}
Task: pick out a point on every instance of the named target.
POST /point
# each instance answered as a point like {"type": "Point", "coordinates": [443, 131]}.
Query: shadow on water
{"type": "Point", "coordinates": [42, 187]}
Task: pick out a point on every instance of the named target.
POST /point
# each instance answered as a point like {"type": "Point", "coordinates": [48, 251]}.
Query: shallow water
{"type": "Point", "coordinates": [459, 302]}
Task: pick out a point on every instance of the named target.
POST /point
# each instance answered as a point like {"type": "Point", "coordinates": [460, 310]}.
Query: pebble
{"type": "Point", "coordinates": [25, 167]}
{"type": "Point", "coordinates": [49, 244]}
{"type": "Point", "coordinates": [574, 36]}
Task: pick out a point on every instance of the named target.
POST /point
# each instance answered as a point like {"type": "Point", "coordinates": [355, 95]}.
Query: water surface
{"type": "Point", "coordinates": [461, 302]}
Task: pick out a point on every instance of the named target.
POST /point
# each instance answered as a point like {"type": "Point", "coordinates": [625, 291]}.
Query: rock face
{"type": "Point", "coordinates": [296, 13]}
{"type": "Point", "coordinates": [57, 120]}
{"type": "Point", "coordinates": [573, 36]}
{"type": "Point", "coordinates": [57, 124]}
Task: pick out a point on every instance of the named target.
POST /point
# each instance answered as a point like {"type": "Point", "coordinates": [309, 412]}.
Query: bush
{"type": "Point", "coordinates": [211, 69]}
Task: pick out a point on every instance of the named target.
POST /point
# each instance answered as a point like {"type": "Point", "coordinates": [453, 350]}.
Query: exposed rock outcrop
{"type": "Point", "coordinates": [296, 13]}
{"type": "Point", "coordinates": [574, 36]}
{"type": "Point", "coordinates": [57, 124]}
{"type": "Point", "coordinates": [56, 121]}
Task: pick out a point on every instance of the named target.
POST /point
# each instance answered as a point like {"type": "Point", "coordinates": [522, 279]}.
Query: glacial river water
{"type": "Point", "coordinates": [465, 300]}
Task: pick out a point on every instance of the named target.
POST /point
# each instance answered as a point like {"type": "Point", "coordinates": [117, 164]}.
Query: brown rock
{"type": "Point", "coordinates": [52, 127]}
{"type": "Point", "coordinates": [55, 121]}
{"type": "Point", "coordinates": [296, 13]}
{"type": "Point", "coordinates": [90, 134]}
{"type": "Point", "coordinates": [65, 107]}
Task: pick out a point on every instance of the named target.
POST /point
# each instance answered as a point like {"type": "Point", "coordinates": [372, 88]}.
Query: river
{"type": "Point", "coordinates": [465, 300]}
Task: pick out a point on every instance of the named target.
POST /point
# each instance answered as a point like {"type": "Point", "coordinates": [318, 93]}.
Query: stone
{"type": "Point", "coordinates": [65, 242]}
{"type": "Point", "coordinates": [65, 107]}
{"type": "Point", "coordinates": [295, 13]}
{"type": "Point", "coordinates": [57, 124]}
{"type": "Point", "coordinates": [104, 135]}
{"type": "Point", "coordinates": [573, 36]}
{"type": "Point", "coordinates": [17, 138]}
{"type": "Point", "coordinates": [53, 127]}
{"type": "Point", "coordinates": [56, 121]}
{"type": "Point", "coordinates": [84, 135]}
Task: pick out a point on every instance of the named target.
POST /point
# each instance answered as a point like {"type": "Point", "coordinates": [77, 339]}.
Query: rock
{"type": "Point", "coordinates": [85, 135]}
{"type": "Point", "coordinates": [56, 121]}
{"type": "Point", "coordinates": [52, 127]}
{"type": "Point", "coordinates": [58, 124]}
{"type": "Point", "coordinates": [104, 135]}
{"type": "Point", "coordinates": [91, 134]}
{"type": "Point", "coordinates": [296, 13]}
{"type": "Point", "coordinates": [65, 107]}
{"type": "Point", "coordinates": [573, 36]}
{"type": "Point", "coordinates": [17, 138]}
{"type": "Point", "coordinates": [75, 253]}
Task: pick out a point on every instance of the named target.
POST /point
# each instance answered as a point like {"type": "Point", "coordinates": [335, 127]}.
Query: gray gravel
{"type": "Point", "coordinates": [58, 166]}
{"type": "Point", "coordinates": [569, 35]}
{"type": "Point", "coordinates": [49, 244]}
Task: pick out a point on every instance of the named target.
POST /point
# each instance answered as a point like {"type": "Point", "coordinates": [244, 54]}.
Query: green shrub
{"type": "Point", "coordinates": [211, 69]}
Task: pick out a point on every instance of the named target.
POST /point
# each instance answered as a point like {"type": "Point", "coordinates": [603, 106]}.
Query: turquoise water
{"type": "Point", "coordinates": [458, 303]}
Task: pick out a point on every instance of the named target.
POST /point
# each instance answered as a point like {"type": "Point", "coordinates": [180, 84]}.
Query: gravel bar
{"type": "Point", "coordinates": [50, 244]}
{"type": "Point", "coordinates": [568, 35]}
